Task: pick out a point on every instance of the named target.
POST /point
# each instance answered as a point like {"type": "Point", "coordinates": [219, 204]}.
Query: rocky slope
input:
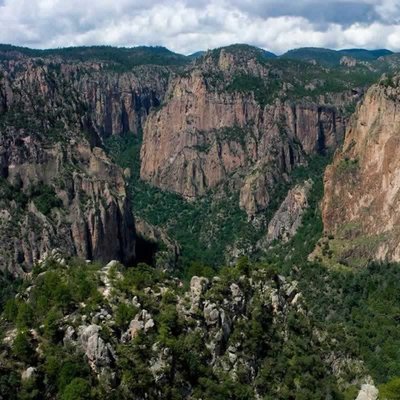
{"type": "Point", "coordinates": [244, 334]}
{"type": "Point", "coordinates": [212, 128]}
{"type": "Point", "coordinates": [361, 202]}
{"type": "Point", "coordinates": [286, 221]}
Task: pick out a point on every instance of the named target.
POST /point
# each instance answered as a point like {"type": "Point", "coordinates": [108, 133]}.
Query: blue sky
{"type": "Point", "coordinates": [188, 26]}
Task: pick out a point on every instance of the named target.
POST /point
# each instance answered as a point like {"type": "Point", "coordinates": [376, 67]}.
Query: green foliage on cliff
{"type": "Point", "coordinates": [355, 312]}
{"type": "Point", "coordinates": [296, 251]}
{"type": "Point", "coordinates": [45, 198]}
{"type": "Point", "coordinates": [390, 390]}
{"type": "Point", "coordinates": [265, 90]}
{"type": "Point", "coordinates": [330, 57]}
{"type": "Point", "coordinates": [8, 287]}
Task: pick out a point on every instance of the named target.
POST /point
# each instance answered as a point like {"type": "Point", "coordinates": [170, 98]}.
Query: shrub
{"type": "Point", "coordinates": [390, 390]}
{"type": "Point", "coordinates": [45, 198]}
{"type": "Point", "coordinates": [124, 314]}
{"type": "Point", "coordinates": [22, 347]}
{"type": "Point", "coordinates": [78, 389]}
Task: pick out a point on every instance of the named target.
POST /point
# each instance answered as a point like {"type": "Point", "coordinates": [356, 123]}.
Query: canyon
{"type": "Point", "coordinates": [216, 226]}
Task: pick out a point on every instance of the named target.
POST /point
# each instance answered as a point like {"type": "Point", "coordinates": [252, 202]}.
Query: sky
{"type": "Point", "coordinates": [186, 26]}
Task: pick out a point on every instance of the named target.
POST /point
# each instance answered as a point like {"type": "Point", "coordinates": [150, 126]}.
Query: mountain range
{"type": "Point", "coordinates": [212, 226]}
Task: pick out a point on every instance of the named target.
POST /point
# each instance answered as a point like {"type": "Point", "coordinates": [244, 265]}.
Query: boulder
{"type": "Point", "coordinates": [368, 392]}
{"type": "Point", "coordinates": [198, 285]}
{"type": "Point", "coordinates": [98, 352]}
{"type": "Point", "coordinates": [29, 373]}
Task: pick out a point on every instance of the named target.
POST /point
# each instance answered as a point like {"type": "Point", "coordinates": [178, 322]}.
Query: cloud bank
{"type": "Point", "coordinates": [190, 25]}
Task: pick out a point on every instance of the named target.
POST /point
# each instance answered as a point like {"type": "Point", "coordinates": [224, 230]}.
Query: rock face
{"type": "Point", "coordinates": [110, 103]}
{"type": "Point", "coordinates": [29, 373]}
{"type": "Point", "coordinates": [287, 219]}
{"type": "Point", "coordinates": [98, 353]}
{"type": "Point", "coordinates": [119, 103]}
{"type": "Point", "coordinates": [206, 134]}
{"type": "Point", "coordinates": [361, 203]}
{"type": "Point", "coordinates": [59, 189]}
{"type": "Point", "coordinates": [368, 392]}
{"type": "Point", "coordinates": [93, 217]}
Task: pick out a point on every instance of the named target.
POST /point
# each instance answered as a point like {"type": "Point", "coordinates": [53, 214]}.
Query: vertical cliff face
{"type": "Point", "coordinates": [58, 188]}
{"type": "Point", "coordinates": [65, 196]}
{"type": "Point", "coordinates": [362, 187]}
{"type": "Point", "coordinates": [112, 103]}
{"type": "Point", "coordinates": [208, 132]}
{"type": "Point", "coordinates": [119, 103]}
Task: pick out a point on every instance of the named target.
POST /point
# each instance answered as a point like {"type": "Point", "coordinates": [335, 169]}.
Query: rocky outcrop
{"type": "Point", "coordinates": [198, 286]}
{"type": "Point", "coordinates": [287, 219]}
{"type": "Point", "coordinates": [99, 354]}
{"type": "Point", "coordinates": [241, 327]}
{"type": "Point", "coordinates": [59, 189]}
{"type": "Point", "coordinates": [368, 392]}
{"type": "Point", "coordinates": [206, 134]}
{"type": "Point", "coordinates": [143, 321]}
{"type": "Point", "coordinates": [155, 246]}
{"type": "Point", "coordinates": [84, 211]}
{"type": "Point", "coordinates": [29, 373]}
{"type": "Point", "coordinates": [348, 61]}
{"type": "Point", "coordinates": [361, 203]}
{"type": "Point", "coordinates": [106, 102]}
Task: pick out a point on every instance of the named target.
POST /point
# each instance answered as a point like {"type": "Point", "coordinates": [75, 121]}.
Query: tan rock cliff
{"type": "Point", "coordinates": [362, 187]}
{"type": "Point", "coordinates": [203, 135]}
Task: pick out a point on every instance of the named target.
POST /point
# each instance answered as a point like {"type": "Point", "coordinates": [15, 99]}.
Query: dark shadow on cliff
{"type": "Point", "coordinates": [146, 251]}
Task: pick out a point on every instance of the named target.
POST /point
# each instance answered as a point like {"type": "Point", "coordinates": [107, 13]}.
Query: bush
{"type": "Point", "coordinates": [25, 316]}
{"type": "Point", "coordinates": [78, 389]}
{"type": "Point", "coordinates": [22, 348]}
{"type": "Point", "coordinates": [10, 310]}
{"type": "Point", "coordinates": [390, 390]}
{"type": "Point", "coordinates": [45, 198]}
{"type": "Point", "coordinates": [124, 314]}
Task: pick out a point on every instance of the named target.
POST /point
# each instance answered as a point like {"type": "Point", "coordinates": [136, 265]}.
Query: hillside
{"type": "Point", "coordinates": [216, 226]}
{"type": "Point", "coordinates": [335, 57]}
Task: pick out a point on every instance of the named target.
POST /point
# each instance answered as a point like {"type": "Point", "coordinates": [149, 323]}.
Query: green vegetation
{"type": "Point", "coordinates": [280, 356]}
{"type": "Point", "coordinates": [8, 288]}
{"type": "Point", "coordinates": [296, 251]}
{"type": "Point", "coordinates": [347, 166]}
{"type": "Point", "coordinates": [390, 390]}
{"type": "Point", "coordinates": [332, 57]}
{"type": "Point", "coordinates": [202, 228]}
{"type": "Point", "coordinates": [45, 198]}
{"type": "Point", "coordinates": [365, 303]}
{"type": "Point", "coordinates": [123, 58]}
{"type": "Point", "coordinates": [356, 313]}
{"type": "Point", "coordinates": [265, 90]}
{"type": "Point", "coordinates": [77, 389]}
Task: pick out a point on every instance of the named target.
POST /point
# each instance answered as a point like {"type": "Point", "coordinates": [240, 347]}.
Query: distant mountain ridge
{"type": "Point", "coordinates": [129, 57]}
{"type": "Point", "coordinates": [159, 55]}
{"type": "Point", "coordinates": [333, 57]}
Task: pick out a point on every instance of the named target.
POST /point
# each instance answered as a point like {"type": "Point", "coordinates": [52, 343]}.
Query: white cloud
{"type": "Point", "coordinates": [187, 26]}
